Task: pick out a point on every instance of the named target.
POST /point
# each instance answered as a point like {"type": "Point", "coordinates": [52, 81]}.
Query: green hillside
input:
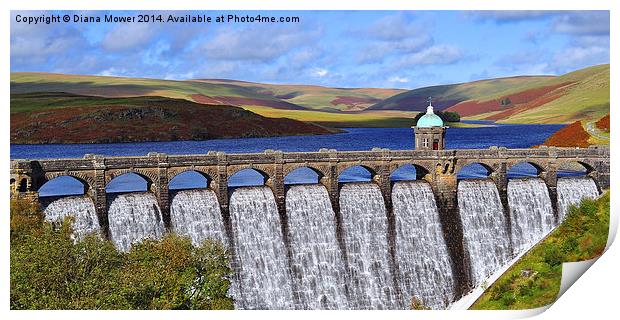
{"type": "Point", "coordinates": [579, 95]}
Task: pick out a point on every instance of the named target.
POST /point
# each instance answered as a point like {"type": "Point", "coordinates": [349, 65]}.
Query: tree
{"type": "Point", "coordinates": [50, 270]}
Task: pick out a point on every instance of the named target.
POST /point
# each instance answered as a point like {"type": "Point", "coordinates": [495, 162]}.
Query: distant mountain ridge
{"type": "Point", "coordinates": [579, 95]}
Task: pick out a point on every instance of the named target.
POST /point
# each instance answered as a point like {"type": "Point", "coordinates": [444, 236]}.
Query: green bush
{"type": "Point", "coordinates": [51, 271]}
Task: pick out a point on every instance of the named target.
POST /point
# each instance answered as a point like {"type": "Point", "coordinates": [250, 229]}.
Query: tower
{"type": "Point", "coordinates": [430, 131]}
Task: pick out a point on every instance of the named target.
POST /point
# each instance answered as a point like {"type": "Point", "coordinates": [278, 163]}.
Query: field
{"type": "Point", "coordinates": [534, 281]}
{"type": "Point", "coordinates": [580, 95]}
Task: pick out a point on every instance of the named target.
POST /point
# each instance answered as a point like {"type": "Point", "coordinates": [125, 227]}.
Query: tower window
{"type": "Point", "coordinates": [425, 143]}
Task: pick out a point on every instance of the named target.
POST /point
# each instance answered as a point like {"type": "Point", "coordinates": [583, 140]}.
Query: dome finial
{"type": "Point", "coordinates": [429, 109]}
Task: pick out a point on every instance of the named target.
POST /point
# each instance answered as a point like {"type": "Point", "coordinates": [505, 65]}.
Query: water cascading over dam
{"type": "Point", "coordinates": [485, 230]}
{"type": "Point", "coordinates": [365, 232]}
{"type": "Point", "coordinates": [196, 214]}
{"type": "Point", "coordinates": [571, 191]}
{"type": "Point", "coordinates": [421, 254]}
{"type": "Point", "coordinates": [81, 208]}
{"type": "Point", "coordinates": [134, 217]}
{"type": "Point", "coordinates": [318, 266]}
{"type": "Point", "coordinates": [263, 279]}
{"type": "Point", "coordinates": [531, 213]}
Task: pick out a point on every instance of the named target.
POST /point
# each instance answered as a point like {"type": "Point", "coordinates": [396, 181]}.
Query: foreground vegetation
{"type": "Point", "coordinates": [49, 270]}
{"type": "Point", "coordinates": [534, 281]}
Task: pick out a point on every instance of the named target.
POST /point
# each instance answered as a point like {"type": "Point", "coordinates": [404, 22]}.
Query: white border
{"type": "Point", "coordinates": [594, 295]}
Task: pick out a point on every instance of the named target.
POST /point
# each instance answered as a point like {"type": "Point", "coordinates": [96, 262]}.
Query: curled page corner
{"type": "Point", "coordinates": [571, 271]}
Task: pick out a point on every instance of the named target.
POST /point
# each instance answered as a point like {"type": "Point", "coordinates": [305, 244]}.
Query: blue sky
{"type": "Point", "coordinates": [391, 49]}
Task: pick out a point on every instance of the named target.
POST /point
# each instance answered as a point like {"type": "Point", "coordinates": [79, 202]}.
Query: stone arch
{"type": "Point", "coordinates": [22, 186]}
{"type": "Point", "coordinates": [265, 175]}
{"type": "Point", "coordinates": [148, 176]}
{"type": "Point", "coordinates": [575, 164]}
{"type": "Point", "coordinates": [290, 170]}
{"type": "Point", "coordinates": [541, 168]}
{"type": "Point", "coordinates": [173, 173]}
{"type": "Point", "coordinates": [490, 167]}
{"type": "Point", "coordinates": [87, 181]}
{"type": "Point", "coordinates": [421, 171]}
{"type": "Point", "coordinates": [290, 167]}
{"type": "Point", "coordinates": [345, 166]}
{"type": "Point", "coordinates": [341, 169]}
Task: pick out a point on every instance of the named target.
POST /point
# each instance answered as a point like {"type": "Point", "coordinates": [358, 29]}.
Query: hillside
{"type": "Point", "coordinates": [579, 95]}
{"type": "Point", "coordinates": [213, 92]}
{"type": "Point", "coordinates": [70, 118]}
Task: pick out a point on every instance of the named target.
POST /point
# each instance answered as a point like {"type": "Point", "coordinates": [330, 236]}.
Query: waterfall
{"type": "Point", "coordinates": [134, 217]}
{"type": "Point", "coordinates": [531, 213]}
{"type": "Point", "coordinates": [571, 191]}
{"type": "Point", "coordinates": [485, 236]}
{"type": "Point", "coordinates": [365, 228]}
{"type": "Point", "coordinates": [196, 214]}
{"type": "Point", "coordinates": [81, 208]}
{"type": "Point", "coordinates": [421, 253]}
{"type": "Point", "coordinates": [317, 261]}
{"type": "Point", "coordinates": [263, 279]}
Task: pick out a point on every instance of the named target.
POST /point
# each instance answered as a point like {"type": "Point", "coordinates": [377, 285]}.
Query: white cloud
{"type": "Point", "coordinates": [319, 72]}
{"type": "Point", "coordinates": [128, 36]}
{"type": "Point", "coordinates": [398, 79]}
{"type": "Point", "coordinates": [434, 55]}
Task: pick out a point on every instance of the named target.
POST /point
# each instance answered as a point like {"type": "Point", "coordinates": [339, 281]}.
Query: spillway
{"type": "Point", "coordinates": [263, 279]}
{"type": "Point", "coordinates": [317, 262]}
{"type": "Point", "coordinates": [485, 230]}
{"type": "Point", "coordinates": [134, 217]}
{"type": "Point", "coordinates": [196, 214]}
{"type": "Point", "coordinates": [571, 191]}
{"type": "Point", "coordinates": [365, 230]}
{"type": "Point", "coordinates": [421, 253]}
{"type": "Point", "coordinates": [81, 208]}
{"type": "Point", "coordinates": [531, 213]}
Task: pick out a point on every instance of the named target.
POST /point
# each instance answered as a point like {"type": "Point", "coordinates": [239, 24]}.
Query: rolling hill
{"type": "Point", "coordinates": [579, 95]}
{"type": "Point", "coordinates": [70, 118]}
{"type": "Point", "coordinates": [207, 91]}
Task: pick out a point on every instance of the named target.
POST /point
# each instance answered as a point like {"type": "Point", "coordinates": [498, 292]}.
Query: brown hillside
{"type": "Point", "coordinates": [603, 123]}
{"type": "Point", "coordinates": [573, 135]}
{"type": "Point", "coordinates": [166, 121]}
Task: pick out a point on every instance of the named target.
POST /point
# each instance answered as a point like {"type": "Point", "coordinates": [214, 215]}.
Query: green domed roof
{"type": "Point", "coordinates": [430, 119]}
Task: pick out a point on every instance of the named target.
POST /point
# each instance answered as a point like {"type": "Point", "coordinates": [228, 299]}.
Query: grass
{"type": "Point", "coordinates": [391, 118]}
{"type": "Point", "coordinates": [534, 281]}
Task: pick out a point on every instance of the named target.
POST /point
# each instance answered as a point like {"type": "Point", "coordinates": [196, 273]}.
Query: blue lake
{"type": "Point", "coordinates": [354, 139]}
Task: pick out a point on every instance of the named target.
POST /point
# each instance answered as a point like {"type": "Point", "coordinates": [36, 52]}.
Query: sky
{"type": "Point", "coordinates": [384, 49]}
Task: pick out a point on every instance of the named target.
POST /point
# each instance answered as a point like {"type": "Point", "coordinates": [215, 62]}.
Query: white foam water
{"type": "Point", "coordinates": [263, 279]}
{"type": "Point", "coordinates": [571, 191]}
{"type": "Point", "coordinates": [365, 229]}
{"type": "Point", "coordinates": [531, 213]}
{"type": "Point", "coordinates": [317, 262]}
{"type": "Point", "coordinates": [424, 265]}
{"type": "Point", "coordinates": [81, 208]}
{"type": "Point", "coordinates": [485, 233]}
{"type": "Point", "coordinates": [196, 214]}
{"type": "Point", "coordinates": [134, 217]}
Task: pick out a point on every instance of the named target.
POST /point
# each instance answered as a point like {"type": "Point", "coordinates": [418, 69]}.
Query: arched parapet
{"type": "Point", "coordinates": [209, 173]}
{"type": "Point", "coordinates": [576, 164]}
{"type": "Point", "coordinates": [150, 176]}
{"type": "Point", "coordinates": [266, 170]}
{"type": "Point", "coordinates": [422, 170]}
{"type": "Point", "coordinates": [320, 170]}
{"type": "Point", "coordinates": [87, 179]}
{"type": "Point", "coordinates": [343, 166]}
{"type": "Point", "coordinates": [541, 166]}
{"type": "Point", "coordinates": [491, 167]}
